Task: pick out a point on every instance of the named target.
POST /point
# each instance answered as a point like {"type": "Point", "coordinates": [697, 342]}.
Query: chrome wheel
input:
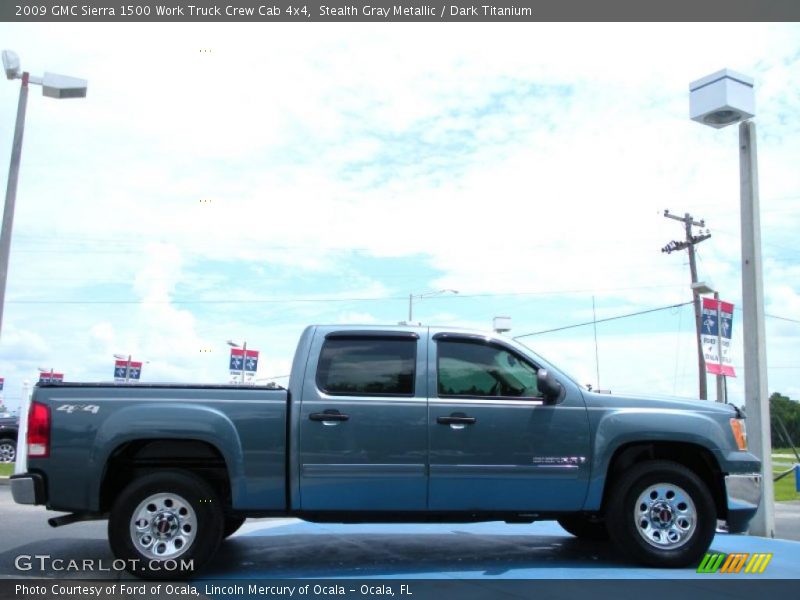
{"type": "Point", "coordinates": [8, 451]}
{"type": "Point", "coordinates": [665, 516]}
{"type": "Point", "coordinates": [163, 526]}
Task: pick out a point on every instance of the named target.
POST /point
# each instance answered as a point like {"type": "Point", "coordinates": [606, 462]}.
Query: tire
{"type": "Point", "coordinates": [8, 450]}
{"type": "Point", "coordinates": [661, 514]}
{"type": "Point", "coordinates": [166, 525]}
{"type": "Point", "coordinates": [585, 528]}
{"type": "Point", "coordinates": [231, 526]}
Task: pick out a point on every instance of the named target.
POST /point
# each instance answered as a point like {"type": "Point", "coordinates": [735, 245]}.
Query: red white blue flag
{"type": "Point", "coordinates": [238, 360]}
{"type": "Point", "coordinates": [125, 371]}
{"type": "Point", "coordinates": [715, 332]}
{"type": "Point", "coordinates": [51, 377]}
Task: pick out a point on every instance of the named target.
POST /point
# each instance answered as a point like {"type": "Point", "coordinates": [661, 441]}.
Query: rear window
{"type": "Point", "coordinates": [367, 367]}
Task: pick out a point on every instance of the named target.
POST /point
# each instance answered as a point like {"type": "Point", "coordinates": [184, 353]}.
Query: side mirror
{"type": "Point", "coordinates": [548, 385]}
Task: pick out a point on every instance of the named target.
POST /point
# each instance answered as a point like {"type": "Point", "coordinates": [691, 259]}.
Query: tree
{"type": "Point", "coordinates": [787, 410]}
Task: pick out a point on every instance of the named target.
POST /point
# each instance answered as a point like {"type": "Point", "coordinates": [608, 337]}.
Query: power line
{"type": "Point", "coordinates": [625, 316]}
{"type": "Point", "coordinates": [365, 299]}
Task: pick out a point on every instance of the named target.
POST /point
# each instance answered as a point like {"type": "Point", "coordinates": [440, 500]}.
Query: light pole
{"type": "Point", "coordinates": [424, 295]}
{"type": "Point", "coordinates": [244, 354]}
{"type": "Point", "coordinates": [719, 100]}
{"type": "Point", "coordinates": [53, 86]}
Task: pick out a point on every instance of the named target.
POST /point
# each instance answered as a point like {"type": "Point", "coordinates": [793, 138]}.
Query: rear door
{"type": "Point", "coordinates": [362, 428]}
{"type": "Point", "coordinates": [495, 445]}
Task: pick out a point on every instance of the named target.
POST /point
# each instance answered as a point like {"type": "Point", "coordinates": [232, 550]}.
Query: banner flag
{"type": "Point", "coordinates": [50, 377]}
{"type": "Point", "coordinates": [251, 362]}
{"type": "Point", "coordinates": [238, 359]}
{"type": "Point", "coordinates": [134, 370]}
{"type": "Point", "coordinates": [119, 370]}
{"type": "Point", "coordinates": [2, 383]}
{"type": "Point", "coordinates": [713, 332]}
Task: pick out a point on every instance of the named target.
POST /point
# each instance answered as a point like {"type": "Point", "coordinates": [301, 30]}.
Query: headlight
{"type": "Point", "coordinates": [739, 433]}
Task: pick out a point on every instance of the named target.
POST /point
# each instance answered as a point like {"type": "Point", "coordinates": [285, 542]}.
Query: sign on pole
{"type": "Point", "coordinates": [239, 361]}
{"type": "Point", "coordinates": [716, 332]}
{"type": "Point", "coordinates": [51, 377]}
{"type": "Point", "coordinates": [127, 371]}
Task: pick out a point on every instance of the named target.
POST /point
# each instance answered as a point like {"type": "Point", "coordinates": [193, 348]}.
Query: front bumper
{"type": "Point", "coordinates": [28, 488]}
{"type": "Point", "coordinates": [743, 491]}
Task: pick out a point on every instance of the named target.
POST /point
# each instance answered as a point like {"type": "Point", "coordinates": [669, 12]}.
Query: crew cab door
{"type": "Point", "coordinates": [495, 443]}
{"type": "Point", "coordinates": [362, 427]}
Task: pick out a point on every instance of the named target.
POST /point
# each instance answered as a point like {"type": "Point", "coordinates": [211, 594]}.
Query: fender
{"type": "Point", "coordinates": [620, 427]}
{"type": "Point", "coordinates": [172, 420]}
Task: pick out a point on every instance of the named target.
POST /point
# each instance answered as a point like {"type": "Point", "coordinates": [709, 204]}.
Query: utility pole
{"type": "Point", "coordinates": [689, 244]}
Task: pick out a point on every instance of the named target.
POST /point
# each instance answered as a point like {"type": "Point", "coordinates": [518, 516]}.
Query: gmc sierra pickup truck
{"type": "Point", "coordinates": [386, 424]}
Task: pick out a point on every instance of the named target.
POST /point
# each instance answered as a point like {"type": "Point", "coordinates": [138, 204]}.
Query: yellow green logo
{"type": "Point", "coordinates": [737, 562]}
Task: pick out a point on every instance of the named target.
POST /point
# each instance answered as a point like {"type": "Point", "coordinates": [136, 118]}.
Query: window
{"type": "Point", "coordinates": [367, 367]}
{"type": "Point", "coordinates": [477, 369]}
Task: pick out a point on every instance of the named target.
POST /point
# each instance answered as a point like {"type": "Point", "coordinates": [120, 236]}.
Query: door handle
{"type": "Point", "coordinates": [456, 420]}
{"type": "Point", "coordinates": [328, 415]}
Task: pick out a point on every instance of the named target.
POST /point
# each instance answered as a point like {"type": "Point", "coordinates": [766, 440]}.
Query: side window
{"type": "Point", "coordinates": [477, 369]}
{"type": "Point", "coordinates": [367, 367]}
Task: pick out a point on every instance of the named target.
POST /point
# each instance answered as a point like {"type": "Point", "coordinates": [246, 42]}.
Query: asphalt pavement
{"type": "Point", "coordinates": [289, 548]}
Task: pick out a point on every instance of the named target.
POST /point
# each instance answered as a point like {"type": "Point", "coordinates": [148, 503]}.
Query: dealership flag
{"type": "Point", "coordinates": [237, 358]}
{"type": "Point", "coordinates": [2, 381]}
{"type": "Point", "coordinates": [709, 336]}
{"type": "Point", "coordinates": [134, 371]}
{"type": "Point", "coordinates": [51, 377]}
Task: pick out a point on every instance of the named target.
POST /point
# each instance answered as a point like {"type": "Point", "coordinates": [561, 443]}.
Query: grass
{"type": "Point", "coordinates": [785, 488]}
{"type": "Point", "coordinates": [6, 469]}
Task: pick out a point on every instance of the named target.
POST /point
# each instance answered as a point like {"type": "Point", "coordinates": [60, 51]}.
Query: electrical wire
{"type": "Point", "coordinates": [625, 316]}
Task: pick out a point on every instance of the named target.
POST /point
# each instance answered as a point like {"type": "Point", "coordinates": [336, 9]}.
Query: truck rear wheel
{"type": "Point", "coordinates": [661, 514]}
{"type": "Point", "coordinates": [166, 525]}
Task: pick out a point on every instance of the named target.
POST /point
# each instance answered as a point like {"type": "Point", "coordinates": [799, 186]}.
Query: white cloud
{"type": "Point", "coordinates": [489, 157]}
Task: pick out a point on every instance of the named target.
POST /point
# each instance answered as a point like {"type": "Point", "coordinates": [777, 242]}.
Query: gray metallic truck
{"type": "Point", "coordinates": [386, 424]}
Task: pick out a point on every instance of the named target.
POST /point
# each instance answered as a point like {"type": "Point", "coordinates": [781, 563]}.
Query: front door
{"type": "Point", "coordinates": [362, 429]}
{"type": "Point", "coordinates": [495, 444]}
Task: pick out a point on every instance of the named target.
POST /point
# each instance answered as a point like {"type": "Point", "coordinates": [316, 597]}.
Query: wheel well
{"type": "Point", "coordinates": [694, 457]}
{"type": "Point", "coordinates": [138, 457]}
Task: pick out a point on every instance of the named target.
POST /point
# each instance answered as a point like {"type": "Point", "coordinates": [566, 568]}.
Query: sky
{"type": "Point", "coordinates": [241, 181]}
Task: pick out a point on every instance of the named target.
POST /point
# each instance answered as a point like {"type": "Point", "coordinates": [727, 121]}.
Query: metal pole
{"type": "Point", "coordinates": [698, 324]}
{"type": "Point", "coordinates": [755, 351]}
{"type": "Point", "coordinates": [720, 384]}
{"type": "Point", "coordinates": [128, 369]}
{"type": "Point", "coordinates": [410, 307]}
{"type": "Point", "coordinates": [11, 192]}
{"type": "Point", "coordinates": [244, 359]}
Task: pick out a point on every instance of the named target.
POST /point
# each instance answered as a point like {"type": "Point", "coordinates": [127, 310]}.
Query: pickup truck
{"type": "Point", "coordinates": [386, 424]}
{"type": "Point", "coordinates": [9, 428]}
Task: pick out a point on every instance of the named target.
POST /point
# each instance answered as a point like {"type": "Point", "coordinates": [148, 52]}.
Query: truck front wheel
{"type": "Point", "coordinates": [166, 525]}
{"type": "Point", "coordinates": [661, 514]}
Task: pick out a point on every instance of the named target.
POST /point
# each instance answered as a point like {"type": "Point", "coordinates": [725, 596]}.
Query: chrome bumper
{"type": "Point", "coordinates": [743, 491]}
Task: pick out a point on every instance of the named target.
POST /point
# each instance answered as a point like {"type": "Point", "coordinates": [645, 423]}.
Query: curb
{"type": "Point", "coordinates": [4, 480]}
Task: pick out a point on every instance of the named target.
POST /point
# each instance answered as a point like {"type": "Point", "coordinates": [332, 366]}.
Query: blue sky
{"type": "Point", "coordinates": [313, 173]}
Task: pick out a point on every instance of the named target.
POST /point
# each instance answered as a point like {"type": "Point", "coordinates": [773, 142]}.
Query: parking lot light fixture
{"type": "Point", "coordinates": [53, 86]}
{"type": "Point", "coordinates": [719, 100]}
